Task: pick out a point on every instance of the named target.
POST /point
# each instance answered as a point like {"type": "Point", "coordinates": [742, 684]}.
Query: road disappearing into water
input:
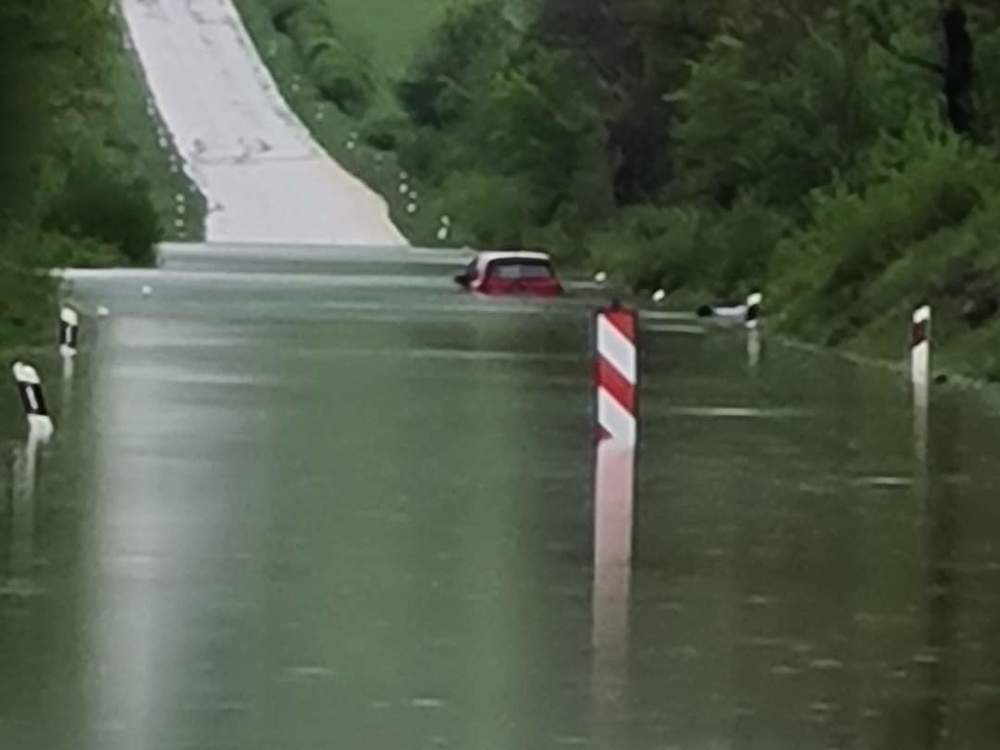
{"type": "Point", "coordinates": [304, 498]}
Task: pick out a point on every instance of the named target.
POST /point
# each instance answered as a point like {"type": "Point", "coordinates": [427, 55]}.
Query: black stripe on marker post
{"type": "Point", "coordinates": [754, 304]}
{"type": "Point", "coordinates": [69, 331]}
{"type": "Point", "coordinates": [30, 389]}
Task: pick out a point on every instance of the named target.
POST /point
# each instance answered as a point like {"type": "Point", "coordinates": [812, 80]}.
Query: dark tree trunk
{"type": "Point", "coordinates": [635, 147]}
{"type": "Point", "coordinates": [959, 67]}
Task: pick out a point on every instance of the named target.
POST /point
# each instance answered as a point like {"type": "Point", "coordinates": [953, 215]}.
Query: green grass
{"type": "Point", "coordinates": [392, 30]}
{"type": "Point", "coordinates": [26, 299]}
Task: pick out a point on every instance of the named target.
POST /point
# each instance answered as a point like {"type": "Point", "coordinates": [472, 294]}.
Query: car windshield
{"type": "Point", "coordinates": [519, 269]}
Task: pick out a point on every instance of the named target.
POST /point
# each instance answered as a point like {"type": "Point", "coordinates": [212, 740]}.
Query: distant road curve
{"type": "Point", "coordinates": [265, 178]}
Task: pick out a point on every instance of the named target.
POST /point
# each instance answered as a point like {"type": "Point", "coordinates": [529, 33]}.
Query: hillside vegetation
{"type": "Point", "coordinates": [840, 154]}
{"type": "Point", "coordinates": [87, 178]}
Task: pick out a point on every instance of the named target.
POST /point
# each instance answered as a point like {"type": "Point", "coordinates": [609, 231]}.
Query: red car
{"type": "Point", "coordinates": [511, 273]}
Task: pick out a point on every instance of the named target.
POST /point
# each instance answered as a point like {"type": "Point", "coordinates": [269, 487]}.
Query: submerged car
{"type": "Point", "coordinates": [523, 273]}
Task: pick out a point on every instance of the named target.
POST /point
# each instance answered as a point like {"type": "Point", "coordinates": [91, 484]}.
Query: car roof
{"type": "Point", "coordinates": [489, 257]}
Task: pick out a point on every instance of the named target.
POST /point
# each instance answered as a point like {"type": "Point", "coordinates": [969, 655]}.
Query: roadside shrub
{"type": "Point", "coordinates": [384, 133]}
{"type": "Point", "coordinates": [737, 245]}
{"type": "Point", "coordinates": [489, 210]}
{"type": "Point", "coordinates": [650, 247]}
{"type": "Point", "coordinates": [98, 203]}
{"type": "Point", "coordinates": [430, 153]}
{"type": "Point", "coordinates": [555, 239]}
{"type": "Point", "coordinates": [340, 71]}
{"type": "Point", "coordinates": [282, 11]}
{"type": "Point", "coordinates": [25, 305]}
{"type": "Point", "coordinates": [853, 235]}
{"type": "Point", "coordinates": [457, 60]}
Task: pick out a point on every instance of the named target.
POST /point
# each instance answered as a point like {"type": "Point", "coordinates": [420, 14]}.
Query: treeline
{"type": "Point", "coordinates": [841, 154]}
{"type": "Point", "coordinates": [71, 189]}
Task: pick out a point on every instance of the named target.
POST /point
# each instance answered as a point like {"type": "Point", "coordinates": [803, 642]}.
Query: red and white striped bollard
{"type": "Point", "coordinates": [616, 371]}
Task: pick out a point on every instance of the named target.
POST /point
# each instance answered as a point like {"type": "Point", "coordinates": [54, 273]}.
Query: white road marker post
{"type": "Point", "coordinates": [69, 331]}
{"type": "Point", "coordinates": [755, 304]}
{"type": "Point", "coordinates": [920, 376]}
{"type": "Point", "coordinates": [616, 376]}
{"type": "Point", "coordinates": [920, 348]}
{"type": "Point", "coordinates": [29, 387]}
{"type": "Point", "coordinates": [444, 228]}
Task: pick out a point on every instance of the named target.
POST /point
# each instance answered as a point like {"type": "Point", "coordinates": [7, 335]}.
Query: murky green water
{"type": "Point", "coordinates": [351, 510]}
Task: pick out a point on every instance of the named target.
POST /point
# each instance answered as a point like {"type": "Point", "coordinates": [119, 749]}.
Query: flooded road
{"type": "Point", "coordinates": [315, 502]}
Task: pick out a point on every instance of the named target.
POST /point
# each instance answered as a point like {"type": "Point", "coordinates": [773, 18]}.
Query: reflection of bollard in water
{"type": "Point", "coordinates": [616, 383]}
{"type": "Point", "coordinates": [614, 481]}
{"type": "Point", "coordinates": [69, 331]}
{"type": "Point", "coordinates": [69, 343]}
{"type": "Point", "coordinates": [921, 421]}
{"type": "Point", "coordinates": [754, 348]}
{"type": "Point", "coordinates": [23, 503]}
{"type": "Point", "coordinates": [33, 399]}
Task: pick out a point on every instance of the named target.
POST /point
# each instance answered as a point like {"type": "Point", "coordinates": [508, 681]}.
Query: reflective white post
{"type": "Point", "coordinates": [36, 410]}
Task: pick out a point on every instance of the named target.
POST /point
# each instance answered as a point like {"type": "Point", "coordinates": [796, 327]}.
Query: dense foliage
{"type": "Point", "coordinates": [840, 153]}
{"type": "Point", "coordinates": [70, 187]}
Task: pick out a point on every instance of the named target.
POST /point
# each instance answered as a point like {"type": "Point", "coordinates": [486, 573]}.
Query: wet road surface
{"type": "Point", "coordinates": [313, 502]}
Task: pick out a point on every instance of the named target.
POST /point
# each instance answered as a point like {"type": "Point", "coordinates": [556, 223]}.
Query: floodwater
{"type": "Point", "coordinates": [321, 503]}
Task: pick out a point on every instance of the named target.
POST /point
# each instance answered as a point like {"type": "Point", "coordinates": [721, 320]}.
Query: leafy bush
{"type": "Point", "coordinates": [650, 247]}
{"type": "Point", "coordinates": [384, 133]}
{"type": "Point", "coordinates": [930, 185]}
{"type": "Point", "coordinates": [489, 210]}
{"type": "Point", "coordinates": [25, 298]}
{"type": "Point", "coordinates": [457, 61]}
{"type": "Point", "coordinates": [97, 202]}
{"type": "Point", "coordinates": [737, 245]}
{"type": "Point", "coordinates": [26, 291]}
{"type": "Point", "coordinates": [340, 71]}
{"type": "Point", "coordinates": [431, 154]}
{"type": "Point", "coordinates": [341, 77]}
